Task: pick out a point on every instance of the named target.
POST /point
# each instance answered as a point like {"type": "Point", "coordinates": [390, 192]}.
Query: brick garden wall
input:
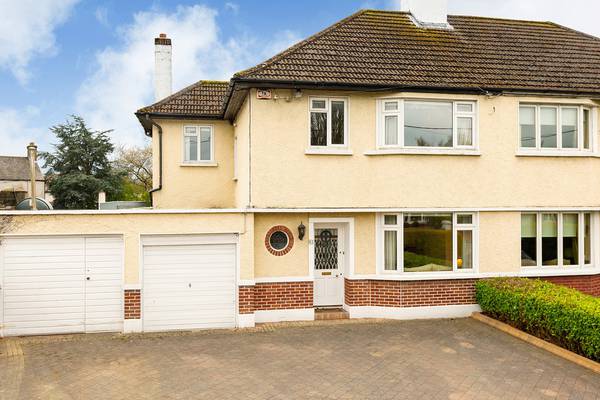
{"type": "Point", "coordinates": [133, 304]}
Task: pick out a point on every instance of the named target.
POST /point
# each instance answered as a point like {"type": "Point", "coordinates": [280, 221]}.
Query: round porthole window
{"type": "Point", "coordinates": [279, 240]}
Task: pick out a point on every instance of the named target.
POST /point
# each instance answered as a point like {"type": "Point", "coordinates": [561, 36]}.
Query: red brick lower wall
{"type": "Point", "coordinates": [589, 284]}
{"type": "Point", "coordinates": [439, 292]}
{"type": "Point", "coordinates": [275, 296]}
{"type": "Point", "coordinates": [133, 304]}
{"type": "Point", "coordinates": [409, 293]}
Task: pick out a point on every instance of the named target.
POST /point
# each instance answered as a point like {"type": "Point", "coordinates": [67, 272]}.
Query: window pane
{"type": "Point", "coordinates": [190, 130]}
{"type": "Point", "coordinates": [586, 129]}
{"type": "Point", "coordinates": [191, 148]}
{"type": "Point", "coordinates": [319, 104]}
{"type": "Point", "coordinates": [465, 131]}
{"type": "Point", "coordinates": [390, 220]}
{"type": "Point", "coordinates": [527, 121]}
{"type": "Point", "coordinates": [428, 124]}
{"type": "Point", "coordinates": [549, 239]}
{"type": "Point", "coordinates": [549, 127]}
{"type": "Point", "coordinates": [528, 240]}
{"type": "Point", "coordinates": [570, 239]}
{"type": "Point", "coordinates": [390, 250]}
{"type": "Point", "coordinates": [464, 107]}
{"type": "Point", "coordinates": [464, 219]}
{"type": "Point", "coordinates": [390, 106]}
{"type": "Point", "coordinates": [464, 258]}
{"type": "Point", "coordinates": [427, 242]}
{"type": "Point", "coordinates": [391, 129]}
{"type": "Point", "coordinates": [337, 122]}
{"type": "Point", "coordinates": [205, 143]}
{"type": "Point", "coordinates": [587, 241]}
{"type": "Point", "coordinates": [318, 129]}
{"type": "Point", "coordinates": [569, 127]}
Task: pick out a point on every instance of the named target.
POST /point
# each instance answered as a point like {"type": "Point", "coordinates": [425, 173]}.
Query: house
{"type": "Point", "coordinates": [383, 166]}
{"type": "Point", "coordinates": [15, 181]}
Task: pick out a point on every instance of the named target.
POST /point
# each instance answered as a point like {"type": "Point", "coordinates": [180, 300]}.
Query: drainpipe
{"type": "Point", "coordinates": [160, 155]}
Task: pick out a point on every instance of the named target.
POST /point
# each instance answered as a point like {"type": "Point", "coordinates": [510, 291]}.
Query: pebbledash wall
{"type": "Point", "coordinates": [280, 287]}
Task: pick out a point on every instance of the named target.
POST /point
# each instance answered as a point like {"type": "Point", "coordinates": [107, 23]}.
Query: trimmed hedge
{"type": "Point", "coordinates": [563, 316]}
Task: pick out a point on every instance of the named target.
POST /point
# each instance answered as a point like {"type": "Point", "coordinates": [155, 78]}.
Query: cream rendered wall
{"type": "Point", "coordinates": [242, 136]}
{"type": "Point", "coordinates": [187, 186]}
{"type": "Point", "coordinates": [499, 242]}
{"type": "Point", "coordinates": [131, 226]}
{"type": "Point", "coordinates": [284, 176]}
{"type": "Point", "coordinates": [295, 263]}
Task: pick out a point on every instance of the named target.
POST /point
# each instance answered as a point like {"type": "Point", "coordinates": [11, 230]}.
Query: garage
{"type": "Point", "coordinates": [61, 284]}
{"type": "Point", "coordinates": [189, 282]}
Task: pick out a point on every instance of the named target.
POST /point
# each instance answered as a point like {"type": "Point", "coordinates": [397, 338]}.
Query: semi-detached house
{"type": "Point", "coordinates": [383, 165]}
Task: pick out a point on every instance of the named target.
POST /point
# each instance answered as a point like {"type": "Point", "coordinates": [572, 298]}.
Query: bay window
{"type": "Point", "coordinates": [426, 124]}
{"type": "Point", "coordinates": [427, 242]}
{"type": "Point", "coordinates": [551, 239]}
{"type": "Point", "coordinates": [555, 127]}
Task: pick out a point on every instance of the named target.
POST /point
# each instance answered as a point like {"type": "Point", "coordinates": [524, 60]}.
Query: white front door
{"type": "Point", "coordinates": [329, 255]}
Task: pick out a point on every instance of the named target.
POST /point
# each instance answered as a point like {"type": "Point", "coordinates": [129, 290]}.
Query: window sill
{"type": "Point", "coordinates": [328, 152]}
{"type": "Point", "coordinates": [525, 153]}
{"type": "Point", "coordinates": [427, 152]}
{"type": "Point", "coordinates": [554, 271]}
{"type": "Point", "coordinates": [423, 276]}
{"type": "Point", "coordinates": [200, 164]}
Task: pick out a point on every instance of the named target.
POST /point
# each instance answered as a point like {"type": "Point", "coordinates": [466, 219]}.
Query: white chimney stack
{"type": "Point", "coordinates": [163, 86]}
{"type": "Point", "coordinates": [432, 13]}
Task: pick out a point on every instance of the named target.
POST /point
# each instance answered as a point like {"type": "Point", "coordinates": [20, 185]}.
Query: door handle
{"type": "Point", "coordinates": [87, 278]}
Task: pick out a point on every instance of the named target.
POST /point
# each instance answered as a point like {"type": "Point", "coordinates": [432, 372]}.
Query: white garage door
{"type": "Point", "coordinates": [189, 282]}
{"type": "Point", "coordinates": [61, 285]}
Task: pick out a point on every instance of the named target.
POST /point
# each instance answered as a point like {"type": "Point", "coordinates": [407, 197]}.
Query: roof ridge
{"type": "Point", "coordinates": [298, 45]}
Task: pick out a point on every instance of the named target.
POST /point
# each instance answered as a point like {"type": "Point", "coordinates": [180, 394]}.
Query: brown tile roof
{"type": "Point", "coordinates": [17, 169]}
{"type": "Point", "coordinates": [202, 99]}
{"type": "Point", "coordinates": [385, 48]}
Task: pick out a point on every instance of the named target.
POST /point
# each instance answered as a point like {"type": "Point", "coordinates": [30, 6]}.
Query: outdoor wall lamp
{"type": "Point", "coordinates": [301, 231]}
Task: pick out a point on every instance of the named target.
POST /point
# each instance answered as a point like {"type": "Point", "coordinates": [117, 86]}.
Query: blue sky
{"type": "Point", "coordinates": [95, 58]}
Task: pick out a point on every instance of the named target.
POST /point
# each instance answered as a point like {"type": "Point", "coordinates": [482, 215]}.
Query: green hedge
{"type": "Point", "coordinates": [560, 315]}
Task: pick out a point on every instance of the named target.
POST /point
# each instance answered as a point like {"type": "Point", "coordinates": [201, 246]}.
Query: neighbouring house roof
{"type": "Point", "coordinates": [17, 169]}
{"type": "Point", "coordinates": [387, 50]}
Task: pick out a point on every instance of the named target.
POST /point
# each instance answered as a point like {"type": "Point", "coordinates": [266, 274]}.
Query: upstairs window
{"type": "Point", "coordinates": [197, 144]}
{"type": "Point", "coordinates": [328, 122]}
{"type": "Point", "coordinates": [427, 124]}
{"type": "Point", "coordinates": [553, 127]}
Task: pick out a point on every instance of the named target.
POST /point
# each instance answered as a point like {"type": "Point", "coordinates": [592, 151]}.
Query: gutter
{"type": "Point", "coordinates": [160, 154]}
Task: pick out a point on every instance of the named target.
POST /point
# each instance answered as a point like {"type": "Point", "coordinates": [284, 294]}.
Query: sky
{"type": "Point", "coordinates": [96, 58]}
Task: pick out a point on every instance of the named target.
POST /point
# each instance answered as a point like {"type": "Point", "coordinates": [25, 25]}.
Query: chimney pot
{"type": "Point", "coordinates": [163, 35]}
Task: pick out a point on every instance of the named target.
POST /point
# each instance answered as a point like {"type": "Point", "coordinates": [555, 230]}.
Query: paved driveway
{"type": "Point", "coordinates": [439, 359]}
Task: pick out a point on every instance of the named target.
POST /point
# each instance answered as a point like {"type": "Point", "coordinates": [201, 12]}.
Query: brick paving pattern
{"type": "Point", "coordinates": [439, 359]}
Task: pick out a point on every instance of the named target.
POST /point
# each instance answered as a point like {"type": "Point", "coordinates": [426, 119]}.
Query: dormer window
{"type": "Point", "coordinates": [328, 122]}
{"type": "Point", "coordinates": [197, 144]}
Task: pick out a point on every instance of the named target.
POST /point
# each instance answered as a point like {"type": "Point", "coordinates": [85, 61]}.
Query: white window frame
{"type": "Point", "coordinates": [399, 228]}
{"type": "Point", "coordinates": [581, 244]}
{"type": "Point", "coordinates": [559, 149]}
{"type": "Point", "coordinates": [382, 113]}
{"type": "Point", "coordinates": [327, 110]}
{"type": "Point", "coordinates": [198, 128]}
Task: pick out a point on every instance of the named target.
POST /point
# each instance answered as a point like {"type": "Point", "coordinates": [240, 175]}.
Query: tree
{"type": "Point", "coordinates": [79, 167]}
{"type": "Point", "coordinates": [135, 163]}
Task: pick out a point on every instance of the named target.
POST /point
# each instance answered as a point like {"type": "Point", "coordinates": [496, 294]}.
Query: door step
{"type": "Point", "coordinates": [322, 314]}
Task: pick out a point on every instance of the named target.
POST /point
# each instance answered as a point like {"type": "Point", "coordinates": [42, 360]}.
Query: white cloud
{"type": "Point", "coordinates": [16, 131]}
{"type": "Point", "coordinates": [233, 7]}
{"type": "Point", "coordinates": [27, 30]}
{"type": "Point", "coordinates": [122, 80]}
{"type": "Point", "coordinates": [101, 15]}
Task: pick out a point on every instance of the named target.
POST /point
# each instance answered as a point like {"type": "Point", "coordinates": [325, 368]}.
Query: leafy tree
{"type": "Point", "coordinates": [79, 167]}
{"type": "Point", "coordinates": [135, 164]}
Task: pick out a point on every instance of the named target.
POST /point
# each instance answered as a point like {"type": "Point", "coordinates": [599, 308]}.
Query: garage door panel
{"type": "Point", "coordinates": [45, 289]}
{"type": "Point", "coordinates": [189, 286]}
